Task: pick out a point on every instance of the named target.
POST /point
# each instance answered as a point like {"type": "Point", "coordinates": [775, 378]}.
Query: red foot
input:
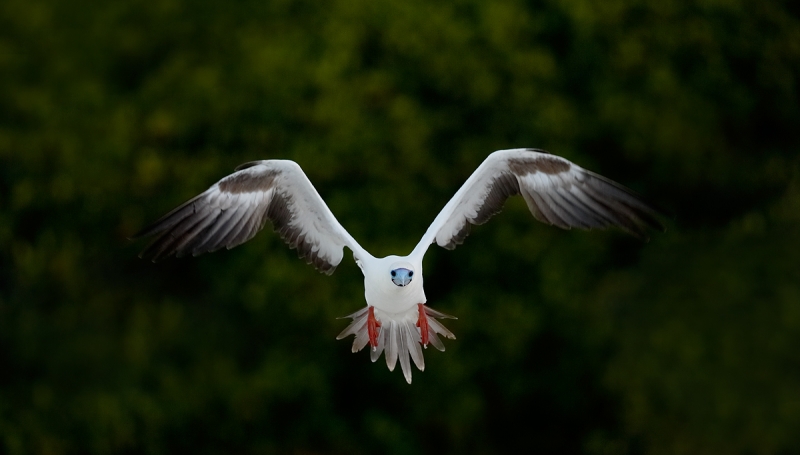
{"type": "Point", "coordinates": [422, 323]}
{"type": "Point", "coordinates": [372, 328]}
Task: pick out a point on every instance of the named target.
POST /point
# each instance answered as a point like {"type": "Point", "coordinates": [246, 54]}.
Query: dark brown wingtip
{"type": "Point", "coordinates": [156, 251]}
{"type": "Point", "coordinates": [141, 233]}
{"type": "Point", "coordinates": [644, 215]}
{"type": "Point", "coordinates": [641, 223]}
{"type": "Point", "coordinates": [149, 253]}
{"type": "Point", "coordinates": [169, 220]}
{"type": "Point", "coordinates": [145, 232]}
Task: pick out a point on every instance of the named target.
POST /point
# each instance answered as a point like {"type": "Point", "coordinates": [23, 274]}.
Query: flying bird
{"type": "Point", "coordinates": [396, 320]}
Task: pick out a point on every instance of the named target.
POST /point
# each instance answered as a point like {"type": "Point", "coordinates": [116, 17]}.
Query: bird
{"type": "Point", "coordinates": [396, 320]}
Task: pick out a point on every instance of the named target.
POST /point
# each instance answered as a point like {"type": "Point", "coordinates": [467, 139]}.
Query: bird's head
{"type": "Point", "coordinates": [401, 273]}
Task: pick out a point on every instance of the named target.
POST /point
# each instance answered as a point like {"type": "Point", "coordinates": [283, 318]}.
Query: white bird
{"type": "Point", "coordinates": [396, 320]}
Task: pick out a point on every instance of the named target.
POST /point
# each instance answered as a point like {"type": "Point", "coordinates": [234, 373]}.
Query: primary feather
{"type": "Point", "coordinates": [237, 207]}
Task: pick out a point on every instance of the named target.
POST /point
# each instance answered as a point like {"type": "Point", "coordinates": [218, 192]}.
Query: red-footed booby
{"type": "Point", "coordinates": [396, 320]}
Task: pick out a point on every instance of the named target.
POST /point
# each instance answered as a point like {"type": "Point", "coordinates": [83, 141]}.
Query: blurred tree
{"type": "Point", "coordinates": [112, 113]}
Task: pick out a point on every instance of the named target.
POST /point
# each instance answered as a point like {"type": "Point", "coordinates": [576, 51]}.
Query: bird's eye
{"type": "Point", "coordinates": [394, 273]}
{"type": "Point", "coordinates": [410, 273]}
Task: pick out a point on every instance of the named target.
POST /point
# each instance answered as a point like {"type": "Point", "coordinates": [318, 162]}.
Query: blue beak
{"type": "Point", "coordinates": [401, 277]}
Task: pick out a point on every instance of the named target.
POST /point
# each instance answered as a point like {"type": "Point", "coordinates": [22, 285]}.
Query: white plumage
{"type": "Point", "coordinates": [396, 320]}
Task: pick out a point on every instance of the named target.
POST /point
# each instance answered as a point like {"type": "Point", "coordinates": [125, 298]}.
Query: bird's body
{"type": "Point", "coordinates": [396, 320]}
{"type": "Point", "coordinates": [383, 293]}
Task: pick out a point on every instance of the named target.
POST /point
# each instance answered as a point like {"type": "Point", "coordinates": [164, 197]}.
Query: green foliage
{"type": "Point", "coordinates": [112, 113]}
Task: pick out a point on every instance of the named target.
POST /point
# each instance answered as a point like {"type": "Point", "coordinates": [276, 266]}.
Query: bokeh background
{"type": "Point", "coordinates": [114, 112]}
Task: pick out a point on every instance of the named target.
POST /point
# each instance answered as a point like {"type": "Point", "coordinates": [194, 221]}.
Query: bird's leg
{"type": "Point", "coordinates": [372, 328]}
{"type": "Point", "coordinates": [422, 323]}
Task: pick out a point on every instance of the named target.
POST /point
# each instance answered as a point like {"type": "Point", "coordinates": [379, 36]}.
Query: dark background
{"type": "Point", "coordinates": [113, 112]}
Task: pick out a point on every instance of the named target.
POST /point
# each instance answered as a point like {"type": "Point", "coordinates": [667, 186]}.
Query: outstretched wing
{"type": "Point", "coordinates": [234, 209]}
{"type": "Point", "coordinates": [556, 191]}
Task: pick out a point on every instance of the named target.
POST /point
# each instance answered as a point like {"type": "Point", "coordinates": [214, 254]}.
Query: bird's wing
{"type": "Point", "coordinates": [234, 209]}
{"type": "Point", "coordinates": [556, 191]}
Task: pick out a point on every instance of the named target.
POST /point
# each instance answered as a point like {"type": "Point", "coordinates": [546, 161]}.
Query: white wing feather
{"type": "Point", "coordinates": [556, 191]}
{"type": "Point", "coordinates": [237, 207]}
